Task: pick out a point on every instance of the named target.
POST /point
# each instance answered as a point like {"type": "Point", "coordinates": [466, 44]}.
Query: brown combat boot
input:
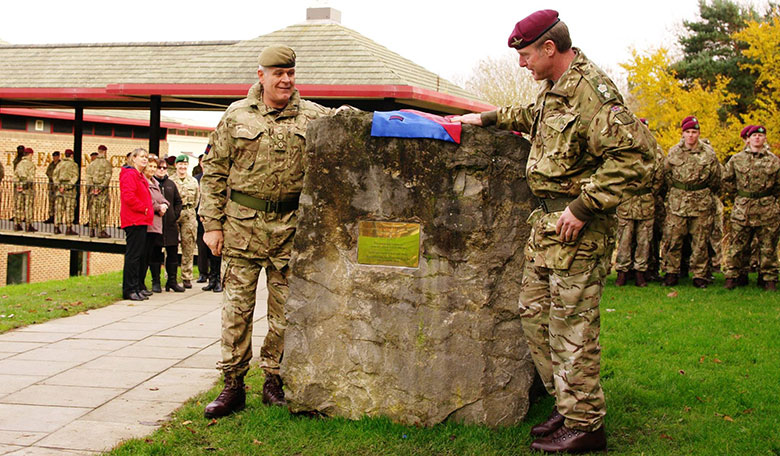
{"type": "Point", "coordinates": [231, 399]}
{"type": "Point", "coordinates": [18, 227]}
{"type": "Point", "coordinates": [30, 228]}
{"type": "Point", "coordinates": [730, 284]}
{"type": "Point", "coordinates": [700, 283]}
{"type": "Point", "coordinates": [572, 441]}
{"type": "Point", "coordinates": [553, 422]}
{"type": "Point", "coordinates": [103, 235]}
{"type": "Point", "coordinates": [770, 285]}
{"type": "Point", "coordinates": [91, 232]}
{"type": "Point", "coordinates": [639, 279]}
{"type": "Point", "coordinates": [273, 394]}
{"type": "Point", "coordinates": [671, 279]}
{"type": "Point", "coordinates": [71, 232]}
{"type": "Point", "coordinates": [622, 278]}
{"type": "Point", "coordinates": [57, 230]}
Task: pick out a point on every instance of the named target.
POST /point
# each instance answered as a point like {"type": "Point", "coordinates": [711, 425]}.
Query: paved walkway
{"type": "Point", "coordinates": [82, 384]}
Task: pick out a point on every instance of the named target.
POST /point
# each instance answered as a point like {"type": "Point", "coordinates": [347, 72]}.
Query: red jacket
{"type": "Point", "coordinates": [136, 207]}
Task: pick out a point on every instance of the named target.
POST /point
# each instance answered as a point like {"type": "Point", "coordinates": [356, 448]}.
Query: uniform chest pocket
{"type": "Point", "coordinates": [559, 136]}
{"type": "Point", "coordinates": [246, 143]}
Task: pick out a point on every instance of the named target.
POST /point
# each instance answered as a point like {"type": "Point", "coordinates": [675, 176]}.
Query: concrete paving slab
{"type": "Point", "coordinates": [123, 325]}
{"type": "Point", "coordinates": [174, 341]}
{"type": "Point", "coordinates": [12, 383]}
{"type": "Point", "coordinates": [175, 384]}
{"type": "Point", "coordinates": [123, 410]}
{"type": "Point", "coordinates": [5, 449]}
{"type": "Point", "coordinates": [27, 336]}
{"type": "Point", "coordinates": [143, 351]}
{"type": "Point", "coordinates": [63, 396]}
{"type": "Point", "coordinates": [70, 328]}
{"type": "Point", "coordinates": [90, 344]}
{"type": "Point", "coordinates": [38, 451]}
{"type": "Point", "coordinates": [149, 317]}
{"type": "Point", "coordinates": [18, 347]}
{"type": "Point", "coordinates": [21, 438]}
{"type": "Point", "coordinates": [93, 435]}
{"type": "Point", "coordinates": [98, 378]}
{"type": "Point", "coordinates": [101, 333]}
{"type": "Point", "coordinates": [60, 354]}
{"type": "Point", "coordinates": [30, 367]}
{"type": "Point", "coordinates": [37, 418]}
{"type": "Point", "coordinates": [124, 364]}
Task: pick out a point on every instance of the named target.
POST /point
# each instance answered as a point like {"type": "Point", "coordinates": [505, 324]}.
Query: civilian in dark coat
{"type": "Point", "coordinates": [170, 237]}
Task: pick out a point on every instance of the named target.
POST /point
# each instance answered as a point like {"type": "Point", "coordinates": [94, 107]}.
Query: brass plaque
{"type": "Point", "coordinates": [389, 244]}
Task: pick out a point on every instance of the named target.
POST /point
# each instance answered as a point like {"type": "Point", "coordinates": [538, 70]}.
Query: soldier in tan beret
{"type": "Point", "coordinates": [252, 178]}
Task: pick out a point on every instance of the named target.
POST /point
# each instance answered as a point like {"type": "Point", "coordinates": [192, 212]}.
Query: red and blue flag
{"type": "Point", "coordinates": [410, 123]}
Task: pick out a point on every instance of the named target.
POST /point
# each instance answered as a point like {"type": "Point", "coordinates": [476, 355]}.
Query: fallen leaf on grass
{"type": "Point", "coordinates": [43, 293]}
{"type": "Point", "coordinates": [747, 411]}
{"type": "Point", "coordinates": [4, 296]}
{"type": "Point", "coordinates": [701, 360]}
{"type": "Point", "coordinates": [452, 437]}
{"type": "Point", "coordinates": [187, 422]}
{"type": "Point", "coordinates": [682, 372]}
{"type": "Point", "coordinates": [700, 399]}
{"type": "Point", "coordinates": [673, 294]}
{"type": "Point", "coordinates": [664, 436]}
{"type": "Point", "coordinates": [737, 336]}
{"type": "Point", "coordinates": [191, 430]}
{"type": "Point", "coordinates": [716, 361]}
{"type": "Point", "coordinates": [686, 409]}
{"type": "Point", "coordinates": [257, 442]}
{"type": "Point", "coordinates": [212, 422]}
{"type": "Point", "coordinates": [725, 417]}
{"type": "Point", "coordinates": [48, 299]}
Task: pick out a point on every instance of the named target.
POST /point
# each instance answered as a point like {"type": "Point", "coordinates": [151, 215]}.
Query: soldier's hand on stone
{"type": "Point", "coordinates": [470, 119]}
{"type": "Point", "coordinates": [214, 240]}
{"type": "Point", "coordinates": [568, 226]}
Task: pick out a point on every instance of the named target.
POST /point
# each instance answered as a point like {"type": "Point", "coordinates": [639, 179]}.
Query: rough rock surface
{"type": "Point", "coordinates": [418, 345]}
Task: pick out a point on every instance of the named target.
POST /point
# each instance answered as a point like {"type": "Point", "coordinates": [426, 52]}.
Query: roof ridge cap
{"type": "Point", "coordinates": [124, 44]}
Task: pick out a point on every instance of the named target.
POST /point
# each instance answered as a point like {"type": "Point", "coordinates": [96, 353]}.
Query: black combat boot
{"type": "Point", "coordinates": [730, 284]}
{"type": "Point", "coordinates": [211, 285]}
{"type": "Point", "coordinates": [272, 390]}
{"type": "Point", "coordinates": [700, 283]}
{"type": "Point", "coordinates": [231, 399]}
{"type": "Point", "coordinates": [154, 268]}
{"type": "Point", "coordinates": [743, 280]}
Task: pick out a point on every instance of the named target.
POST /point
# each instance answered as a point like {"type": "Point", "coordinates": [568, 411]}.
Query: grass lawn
{"type": "Point", "coordinates": [685, 371]}
{"type": "Point", "coordinates": [30, 303]}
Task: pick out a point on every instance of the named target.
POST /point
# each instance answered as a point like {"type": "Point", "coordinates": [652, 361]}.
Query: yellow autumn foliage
{"type": "Point", "coordinates": [665, 101]}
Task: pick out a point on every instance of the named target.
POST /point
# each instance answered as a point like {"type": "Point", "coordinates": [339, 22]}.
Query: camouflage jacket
{"type": "Point", "coordinates": [642, 205]}
{"type": "Point", "coordinates": [50, 170]}
{"type": "Point", "coordinates": [755, 176]}
{"type": "Point", "coordinates": [188, 190]}
{"type": "Point", "coordinates": [697, 169]}
{"type": "Point", "coordinates": [25, 173]}
{"type": "Point", "coordinates": [585, 145]}
{"type": "Point", "coordinates": [99, 172]}
{"type": "Point", "coordinates": [2, 171]}
{"type": "Point", "coordinates": [66, 174]}
{"type": "Point", "coordinates": [259, 151]}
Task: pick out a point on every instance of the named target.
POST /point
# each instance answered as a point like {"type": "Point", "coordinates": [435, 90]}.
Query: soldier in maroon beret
{"type": "Point", "coordinates": [588, 153]}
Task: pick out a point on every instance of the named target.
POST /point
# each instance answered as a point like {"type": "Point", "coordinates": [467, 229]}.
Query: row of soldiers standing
{"type": "Point", "coordinates": [683, 204]}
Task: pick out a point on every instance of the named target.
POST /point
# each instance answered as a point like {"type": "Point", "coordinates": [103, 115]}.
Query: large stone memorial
{"type": "Point", "coordinates": [405, 277]}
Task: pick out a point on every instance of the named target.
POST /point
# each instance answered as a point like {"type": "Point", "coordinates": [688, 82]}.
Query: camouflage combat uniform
{"type": "Point", "coordinates": [755, 176]}
{"type": "Point", "coordinates": [188, 225]}
{"type": "Point", "coordinates": [257, 154]}
{"type": "Point", "coordinates": [98, 178]}
{"type": "Point", "coordinates": [25, 190]}
{"type": "Point", "coordinates": [587, 151]}
{"type": "Point", "coordinates": [635, 223]}
{"type": "Point", "coordinates": [52, 188]}
{"type": "Point", "coordinates": [693, 176]}
{"type": "Point", "coordinates": [66, 175]}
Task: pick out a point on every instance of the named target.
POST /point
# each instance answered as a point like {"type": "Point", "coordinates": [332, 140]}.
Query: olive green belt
{"type": "Point", "coordinates": [550, 205]}
{"type": "Point", "coordinates": [643, 191]}
{"type": "Point", "coordinates": [687, 187]}
{"type": "Point", "coordinates": [263, 205]}
{"type": "Point", "coordinates": [754, 194]}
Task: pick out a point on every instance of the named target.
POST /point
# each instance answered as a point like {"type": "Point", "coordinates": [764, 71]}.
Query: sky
{"type": "Point", "coordinates": [447, 38]}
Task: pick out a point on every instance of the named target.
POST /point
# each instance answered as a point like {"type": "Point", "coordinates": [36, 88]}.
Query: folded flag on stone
{"type": "Point", "coordinates": [410, 123]}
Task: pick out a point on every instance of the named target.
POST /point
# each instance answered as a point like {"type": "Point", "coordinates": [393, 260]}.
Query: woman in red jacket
{"type": "Point", "coordinates": [136, 213]}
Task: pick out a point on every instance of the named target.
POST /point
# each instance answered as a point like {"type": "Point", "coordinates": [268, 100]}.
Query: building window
{"type": "Point", "coordinates": [141, 132]}
{"type": "Point", "coordinates": [123, 131]}
{"type": "Point", "coordinates": [18, 270]}
{"type": "Point", "coordinates": [89, 128]}
{"type": "Point", "coordinates": [62, 126]}
{"type": "Point", "coordinates": [103, 130]}
{"type": "Point", "coordinates": [14, 123]}
{"type": "Point", "coordinates": [82, 263]}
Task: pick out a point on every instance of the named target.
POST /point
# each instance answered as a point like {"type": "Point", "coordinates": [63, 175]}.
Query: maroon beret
{"type": "Point", "coordinates": [532, 27]}
{"type": "Point", "coordinates": [743, 134]}
{"type": "Point", "coordinates": [170, 159]}
{"type": "Point", "coordinates": [754, 129]}
{"type": "Point", "coordinates": [28, 150]}
{"type": "Point", "coordinates": [690, 122]}
{"type": "Point", "coordinates": [68, 153]}
{"type": "Point", "coordinates": [102, 147]}
{"type": "Point", "coordinates": [644, 121]}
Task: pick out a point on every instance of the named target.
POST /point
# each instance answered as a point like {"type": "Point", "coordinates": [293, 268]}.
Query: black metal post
{"type": "Point", "coordinates": [78, 133]}
{"type": "Point", "coordinates": [154, 124]}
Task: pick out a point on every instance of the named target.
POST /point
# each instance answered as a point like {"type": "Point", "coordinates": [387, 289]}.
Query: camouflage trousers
{"type": "Point", "coordinates": [738, 250]}
{"type": "Point", "coordinates": [98, 206]}
{"type": "Point", "coordinates": [656, 249]}
{"type": "Point", "coordinates": [634, 239]}
{"type": "Point", "coordinates": [239, 282]}
{"type": "Point", "coordinates": [700, 229]}
{"type": "Point", "coordinates": [65, 207]}
{"type": "Point", "coordinates": [25, 200]}
{"type": "Point", "coordinates": [52, 199]}
{"type": "Point", "coordinates": [188, 229]}
{"type": "Point", "coordinates": [561, 322]}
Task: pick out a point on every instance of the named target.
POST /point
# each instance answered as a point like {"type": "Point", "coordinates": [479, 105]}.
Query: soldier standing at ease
{"type": "Point", "coordinates": [188, 225]}
{"type": "Point", "coordinates": [635, 228]}
{"type": "Point", "coordinates": [24, 172]}
{"type": "Point", "coordinates": [20, 151]}
{"type": "Point", "coordinates": [55, 159]}
{"type": "Point", "coordinates": [755, 175]}
{"type": "Point", "coordinates": [587, 153]}
{"type": "Point", "coordinates": [98, 178]}
{"type": "Point", "coordinates": [66, 177]}
{"type": "Point", "coordinates": [692, 173]}
{"type": "Point", "coordinates": [256, 158]}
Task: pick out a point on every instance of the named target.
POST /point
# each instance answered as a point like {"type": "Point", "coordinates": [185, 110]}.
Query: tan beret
{"type": "Point", "coordinates": [277, 56]}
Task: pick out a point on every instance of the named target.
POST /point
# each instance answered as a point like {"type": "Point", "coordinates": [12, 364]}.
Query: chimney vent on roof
{"type": "Point", "coordinates": [323, 15]}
